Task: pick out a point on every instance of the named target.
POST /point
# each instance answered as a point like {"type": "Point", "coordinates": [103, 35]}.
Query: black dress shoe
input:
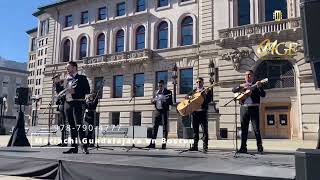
{"type": "Point", "coordinates": [164, 146]}
{"type": "Point", "coordinates": [151, 146]}
{"type": "Point", "coordinates": [193, 148]}
{"type": "Point", "coordinates": [242, 150]}
{"type": "Point", "coordinates": [71, 151]}
{"type": "Point", "coordinates": [85, 149]}
{"type": "Point", "coordinates": [260, 149]}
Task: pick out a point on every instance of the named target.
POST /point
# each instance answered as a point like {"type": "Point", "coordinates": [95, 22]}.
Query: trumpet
{"type": "Point", "coordinates": [63, 92]}
{"type": "Point", "coordinates": [161, 98]}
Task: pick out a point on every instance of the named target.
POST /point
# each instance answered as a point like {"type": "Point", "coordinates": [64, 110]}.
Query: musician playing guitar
{"type": "Point", "coordinates": [200, 116]}
{"type": "Point", "coordinates": [162, 98]}
{"type": "Point", "coordinates": [250, 110]}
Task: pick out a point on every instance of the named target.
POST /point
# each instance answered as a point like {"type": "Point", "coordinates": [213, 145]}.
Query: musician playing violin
{"type": "Point", "coordinates": [162, 99]}
{"type": "Point", "coordinates": [250, 110]}
{"type": "Point", "coordinates": [200, 116]}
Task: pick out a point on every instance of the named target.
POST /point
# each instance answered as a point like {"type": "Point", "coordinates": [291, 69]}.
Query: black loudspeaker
{"type": "Point", "coordinates": [307, 162]}
{"type": "Point", "coordinates": [310, 13]}
{"type": "Point", "coordinates": [22, 95]}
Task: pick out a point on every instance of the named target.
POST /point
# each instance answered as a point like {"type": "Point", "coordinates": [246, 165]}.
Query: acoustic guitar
{"type": "Point", "coordinates": [245, 93]}
{"type": "Point", "coordinates": [192, 104]}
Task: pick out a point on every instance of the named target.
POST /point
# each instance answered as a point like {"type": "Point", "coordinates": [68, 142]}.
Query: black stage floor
{"type": "Point", "coordinates": [50, 163]}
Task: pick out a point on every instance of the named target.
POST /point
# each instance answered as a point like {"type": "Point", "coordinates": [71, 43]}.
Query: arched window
{"type": "Point", "coordinates": [120, 41]}
{"type": "Point", "coordinates": [272, 5]}
{"type": "Point", "coordinates": [187, 31]}
{"type": "Point", "coordinates": [279, 72]}
{"type": "Point", "coordinates": [66, 51]}
{"type": "Point", "coordinates": [100, 44]}
{"type": "Point", "coordinates": [163, 35]}
{"type": "Point", "coordinates": [83, 47]}
{"type": "Point", "coordinates": [140, 37]}
{"type": "Point", "coordinates": [243, 12]}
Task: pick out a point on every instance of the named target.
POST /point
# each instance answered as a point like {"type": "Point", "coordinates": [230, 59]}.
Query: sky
{"type": "Point", "coordinates": [16, 19]}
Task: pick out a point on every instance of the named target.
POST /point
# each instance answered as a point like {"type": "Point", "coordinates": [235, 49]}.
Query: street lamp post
{"type": "Point", "coordinates": [1, 103]}
{"type": "Point", "coordinates": [3, 109]}
{"type": "Point", "coordinates": [174, 78]}
{"type": "Point", "coordinates": [35, 115]}
{"type": "Point", "coordinates": [212, 79]}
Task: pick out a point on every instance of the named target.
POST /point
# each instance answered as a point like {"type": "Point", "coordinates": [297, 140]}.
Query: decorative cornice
{"type": "Point", "coordinates": [236, 56]}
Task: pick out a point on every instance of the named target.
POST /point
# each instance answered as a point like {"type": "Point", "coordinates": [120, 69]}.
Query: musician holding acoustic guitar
{"type": "Point", "coordinates": [249, 98]}
{"type": "Point", "coordinates": [200, 115]}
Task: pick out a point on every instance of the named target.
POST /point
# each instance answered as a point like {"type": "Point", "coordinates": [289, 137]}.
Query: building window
{"type": "Point", "coordinates": [120, 41]}
{"type": "Point", "coordinates": [68, 21]}
{"type": "Point", "coordinates": [66, 51]}
{"type": "Point", "coordinates": [244, 12]}
{"type": "Point", "coordinates": [136, 119]}
{"type": "Point", "coordinates": [33, 44]}
{"type": "Point", "coordinates": [279, 73]}
{"type": "Point", "coordinates": [316, 67]}
{"type": "Point", "coordinates": [187, 31]}
{"type": "Point", "coordinates": [163, 35]}
{"type": "Point", "coordinates": [141, 6]}
{"type": "Point", "coordinates": [83, 47]}
{"type": "Point", "coordinates": [115, 116]}
{"type": "Point", "coordinates": [101, 44]}
{"type": "Point", "coordinates": [102, 13]}
{"type": "Point", "coordinates": [140, 37]}
{"type": "Point", "coordinates": [98, 86]}
{"type": "Point", "coordinates": [162, 3]}
{"type": "Point", "coordinates": [161, 75]}
{"type": "Point", "coordinates": [121, 9]}
{"type": "Point", "coordinates": [138, 86]}
{"type": "Point", "coordinates": [272, 5]}
{"type": "Point", "coordinates": [117, 86]}
{"type": "Point", "coordinates": [186, 81]}
{"type": "Point", "coordinates": [84, 17]}
{"type": "Point", "coordinates": [43, 28]}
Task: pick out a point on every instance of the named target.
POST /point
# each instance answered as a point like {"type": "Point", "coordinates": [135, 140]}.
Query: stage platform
{"type": "Point", "coordinates": [137, 164]}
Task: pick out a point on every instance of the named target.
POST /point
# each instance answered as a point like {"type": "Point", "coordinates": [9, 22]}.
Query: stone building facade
{"type": "Point", "coordinates": [129, 44]}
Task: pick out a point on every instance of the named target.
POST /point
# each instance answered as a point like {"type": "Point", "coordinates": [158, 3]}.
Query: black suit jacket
{"type": "Point", "coordinates": [207, 98]}
{"type": "Point", "coordinates": [255, 95]}
{"type": "Point", "coordinates": [82, 87]}
{"type": "Point", "coordinates": [168, 102]}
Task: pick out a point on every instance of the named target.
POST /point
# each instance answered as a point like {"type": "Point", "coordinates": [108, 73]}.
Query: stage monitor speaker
{"type": "Point", "coordinates": [22, 95]}
{"type": "Point", "coordinates": [310, 13]}
{"type": "Point", "coordinates": [307, 162]}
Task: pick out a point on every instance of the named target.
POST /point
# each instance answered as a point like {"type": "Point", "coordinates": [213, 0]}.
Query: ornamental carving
{"type": "Point", "coordinates": [236, 56]}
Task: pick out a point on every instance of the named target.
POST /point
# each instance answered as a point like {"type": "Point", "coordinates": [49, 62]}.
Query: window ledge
{"type": "Point", "coordinates": [119, 17]}
{"type": "Point", "coordinates": [67, 28]}
{"type": "Point", "coordinates": [140, 12]}
{"type": "Point", "coordinates": [101, 21]}
{"type": "Point", "coordinates": [84, 25]}
{"type": "Point", "coordinates": [186, 3]}
{"type": "Point", "coordinates": [163, 8]}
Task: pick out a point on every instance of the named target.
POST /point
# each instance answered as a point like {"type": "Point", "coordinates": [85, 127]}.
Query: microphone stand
{"type": "Point", "coordinates": [134, 103]}
{"type": "Point", "coordinates": [235, 120]}
{"type": "Point", "coordinates": [97, 147]}
{"type": "Point", "coordinates": [236, 123]}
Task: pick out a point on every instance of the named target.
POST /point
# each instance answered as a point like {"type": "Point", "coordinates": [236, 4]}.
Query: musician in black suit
{"type": "Point", "coordinates": [200, 116]}
{"type": "Point", "coordinates": [250, 110]}
{"type": "Point", "coordinates": [60, 108]}
{"type": "Point", "coordinates": [90, 117]}
{"type": "Point", "coordinates": [74, 105]}
{"type": "Point", "coordinates": [162, 99]}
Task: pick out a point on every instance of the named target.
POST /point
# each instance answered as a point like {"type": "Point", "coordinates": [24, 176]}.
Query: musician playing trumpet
{"type": "Point", "coordinates": [162, 99]}
{"type": "Point", "coordinates": [250, 110]}
{"type": "Point", "coordinates": [200, 116]}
